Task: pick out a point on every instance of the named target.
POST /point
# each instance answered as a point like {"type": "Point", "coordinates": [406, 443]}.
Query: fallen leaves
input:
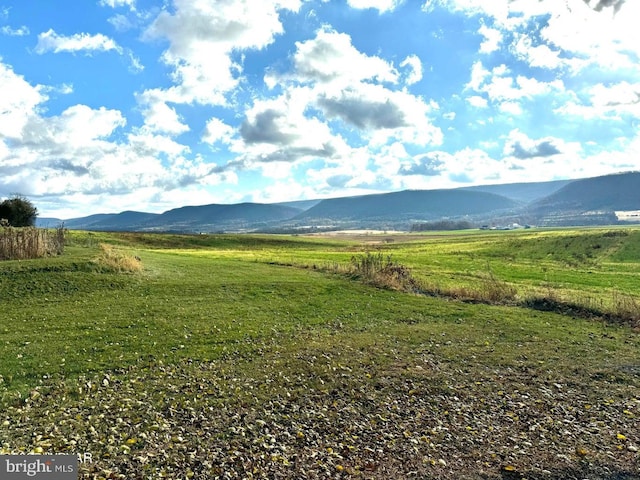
{"type": "Point", "coordinates": [329, 414]}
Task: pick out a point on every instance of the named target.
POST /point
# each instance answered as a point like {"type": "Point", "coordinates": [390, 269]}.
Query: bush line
{"type": "Point", "coordinates": [381, 271]}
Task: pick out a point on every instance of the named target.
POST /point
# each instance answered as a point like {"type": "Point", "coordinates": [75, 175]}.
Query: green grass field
{"type": "Point", "coordinates": [247, 356]}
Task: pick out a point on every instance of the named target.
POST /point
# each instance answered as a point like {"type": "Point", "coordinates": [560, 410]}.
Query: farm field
{"type": "Point", "coordinates": [459, 355]}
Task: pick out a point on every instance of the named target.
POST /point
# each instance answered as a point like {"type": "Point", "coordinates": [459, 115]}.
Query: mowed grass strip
{"type": "Point", "coordinates": [209, 364]}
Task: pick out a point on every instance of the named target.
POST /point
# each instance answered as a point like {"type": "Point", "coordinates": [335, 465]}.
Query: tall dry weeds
{"type": "Point", "coordinates": [30, 242]}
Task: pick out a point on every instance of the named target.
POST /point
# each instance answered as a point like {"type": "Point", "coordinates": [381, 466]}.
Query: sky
{"type": "Point", "coordinates": [148, 105]}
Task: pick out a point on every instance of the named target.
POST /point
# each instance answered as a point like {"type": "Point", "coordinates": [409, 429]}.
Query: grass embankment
{"type": "Point", "coordinates": [214, 361]}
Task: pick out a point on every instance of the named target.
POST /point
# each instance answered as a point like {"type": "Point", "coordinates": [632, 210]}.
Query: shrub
{"type": "Point", "coordinates": [18, 212]}
{"type": "Point", "coordinates": [384, 272]}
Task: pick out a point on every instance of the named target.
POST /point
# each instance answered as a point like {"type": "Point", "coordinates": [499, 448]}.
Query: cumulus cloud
{"type": "Point", "coordinates": [541, 56]}
{"type": "Point", "coordinates": [277, 130]}
{"type": "Point", "coordinates": [578, 28]}
{"type": "Point", "coordinates": [616, 95]}
{"type": "Point", "coordinates": [331, 57]}
{"type": "Point", "coordinates": [50, 41]}
{"type": "Point", "coordinates": [362, 111]}
{"type": "Point", "coordinates": [598, 5]}
{"type": "Point", "coordinates": [217, 131]}
{"type": "Point", "coordinates": [520, 146]}
{"type": "Point", "coordinates": [380, 5]}
{"type": "Point", "coordinates": [605, 101]}
{"type": "Point", "coordinates": [492, 39]}
{"type": "Point", "coordinates": [429, 164]}
{"type": "Point", "coordinates": [158, 116]}
{"type": "Point", "coordinates": [477, 101]}
{"type": "Point", "coordinates": [22, 104]}
{"type": "Point", "coordinates": [202, 37]}
{"type": "Point", "coordinates": [78, 152]}
{"type": "Point", "coordinates": [268, 126]}
{"type": "Point", "coordinates": [506, 90]}
{"type": "Point", "coordinates": [361, 90]}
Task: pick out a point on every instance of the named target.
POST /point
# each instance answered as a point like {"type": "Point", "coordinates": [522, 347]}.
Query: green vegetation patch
{"type": "Point", "coordinates": [225, 362]}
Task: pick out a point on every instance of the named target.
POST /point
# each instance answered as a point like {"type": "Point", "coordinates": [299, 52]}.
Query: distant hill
{"type": "Point", "coordinates": [406, 205]}
{"type": "Point", "coordinates": [608, 193]}
{"type": "Point", "coordinates": [123, 221]}
{"type": "Point", "coordinates": [566, 202]}
{"type": "Point", "coordinates": [589, 201]}
{"type": "Point", "coordinates": [522, 192]}
{"type": "Point", "coordinates": [48, 222]}
{"type": "Point", "coordinates": [220, 217]}
{"type": "Point", "coordinates": [300, 204]}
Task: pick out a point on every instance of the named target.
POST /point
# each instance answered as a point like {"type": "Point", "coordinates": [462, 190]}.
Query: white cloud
{"type": "Point", "coordinates": [158, 116]}
{"type": "Point", "coordinates": [449, 170]}
{"type": "Point", "coordinates": [14, 32]}
{"type": "Point", "coordinates": [121, 23]}
{"type": "Point", "coordinates": [380, 5]}
{"type": "Point", "coordinates": [505, 90]}
{"type": "Point", "coordinates": [149, 144]}
{"type": "Point", "coordinates": [576, 27]}
{"type": "Point", "coordinates": [20, 105]}
{"type": "Point", "coordinates": [50, 41]}
{"type": "Point", "coordinates": [603, 101]}
{"type": "Point", "coordinates": [333, 77]}
{"type": "Point", "coordinates": [217, 131]}
{"type": "Point", "coordinates": [331, 58]}
{"type": "Point", "coordinates": [520, 146]}
{"type": "Point", "coordinates": [135, 65]}
{"type": "Point", "coordinates": [202, 36]}
{"type": "Point", "coordinates": [382, 114]}
{"type": "Point", "coordinates": [621, 94]}
{"type": "Point", "coordinates": [477, 101]}
{"type": "Point", "coordinates": [415, 73]}
{"type": "Point", "coordinates": [492, 39]}
{"type": "Point", "coordinates": [511, 108]}
{"type": "Point", "coordinates": [80, 124]}
{"type": "Point", "coordinates": [478, 75]}
{"type": "Point", "coordinates": [605, 39]}
{"type": "Point", "coordinates": [541, 56]}
{"type": "Point", "coordinates": [277, 130]}
{"type": "Point", "coordinates": [118, 3]}
{"type": "Point", "coordinates": [77, 152]}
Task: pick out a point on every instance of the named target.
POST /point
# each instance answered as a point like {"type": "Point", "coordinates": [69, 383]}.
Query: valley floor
{"type": "Point", "coordinates": [218, 361]}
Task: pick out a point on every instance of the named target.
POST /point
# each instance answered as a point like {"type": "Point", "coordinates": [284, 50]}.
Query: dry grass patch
{"type": "Point", "coordinates": [114, 260]}
{"type": "Point", "coordinates": [30, 242]}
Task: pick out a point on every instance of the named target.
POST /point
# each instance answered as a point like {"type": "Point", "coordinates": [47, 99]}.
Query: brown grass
{"type": "Point", "coordinates": [381, 271]}
{"type": "Point", "coordinates": [115, 260]}
{"type": "Point", "coordinates": [30, 242]}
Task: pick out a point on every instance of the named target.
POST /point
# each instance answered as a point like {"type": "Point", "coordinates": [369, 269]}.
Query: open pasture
{"type": "Point", "coordinates": [249, 356]}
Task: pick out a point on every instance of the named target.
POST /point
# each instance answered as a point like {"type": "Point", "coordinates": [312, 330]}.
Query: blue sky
{"type": "Point", "coordinates": [112, 105]}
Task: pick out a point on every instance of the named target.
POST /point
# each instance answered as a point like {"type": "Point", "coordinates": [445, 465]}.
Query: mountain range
{"type": "Point", "coordinates": [564, 202]}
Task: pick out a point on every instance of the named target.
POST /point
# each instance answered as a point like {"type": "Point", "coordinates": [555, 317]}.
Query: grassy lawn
{"type": "Point", "coordinates": [223, 358]}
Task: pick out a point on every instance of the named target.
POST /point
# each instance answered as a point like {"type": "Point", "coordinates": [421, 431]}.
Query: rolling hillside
{"type": "Point", "coordinates": [216, 217]}
{"type": "Point", "coordinates": [566, 202]}
{"type": "Point", "coordinates": [589, 201]}
{"type": "Point", "coordinates": [606, 193]}
{"type": "Point", "coordinates": [522, 192]}
{"type": "Point", "coordinates": [406, 206]}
